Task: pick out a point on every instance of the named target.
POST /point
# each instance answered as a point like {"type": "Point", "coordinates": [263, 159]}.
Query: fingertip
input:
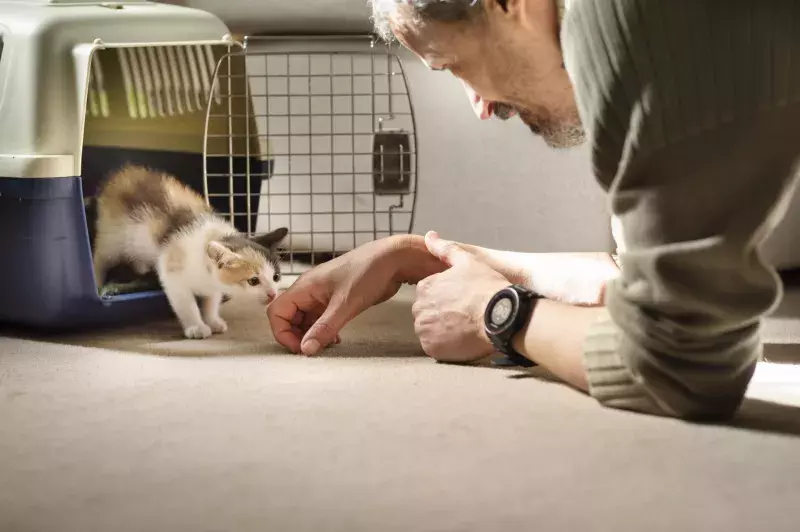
{"type": "Point", "coordinates": [432, 243]}
{"type": "Point", "coordinates": [290, 342]}
{"type": "Point", "coordinates": [311, 347]}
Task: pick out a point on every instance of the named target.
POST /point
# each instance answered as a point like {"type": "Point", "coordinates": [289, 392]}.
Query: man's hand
{"type": "Point", "coordinates": [309, 316]}
{"type": "Point", "coordinates": [448, 313]}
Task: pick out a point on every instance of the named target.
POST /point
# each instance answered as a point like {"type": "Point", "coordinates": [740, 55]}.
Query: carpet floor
{"type": "Point", "coordinates": [136, 429]}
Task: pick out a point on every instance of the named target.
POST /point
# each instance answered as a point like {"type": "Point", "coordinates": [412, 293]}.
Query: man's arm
{"type": "Point", "coordinates": [574, 278]}
{"type": "Point", "coordinates": [697, 173]}
{"type": "Point", "coordinates": [555, 338]}
{"type": "Point", "coordinates": [449, 319]}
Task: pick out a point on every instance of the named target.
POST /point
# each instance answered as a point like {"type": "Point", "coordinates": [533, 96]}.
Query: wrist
{"type": "Point", "coordinates": [518, 341]}
{"type": "Point", "coordinates": [411, 259]}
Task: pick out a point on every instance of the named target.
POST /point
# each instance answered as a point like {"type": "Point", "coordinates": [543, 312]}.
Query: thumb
{"type": "Point", "coordinates": [446, 251]}
{"type": "Point", "coordinates": [325, 330]}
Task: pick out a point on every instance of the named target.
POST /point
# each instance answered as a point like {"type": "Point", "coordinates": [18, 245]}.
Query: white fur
{"type": "Point", "coordinates": [198, 276]}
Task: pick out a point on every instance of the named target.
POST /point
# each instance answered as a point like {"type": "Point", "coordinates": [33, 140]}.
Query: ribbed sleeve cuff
{"type": "Point", "coordinates": [610, 380]}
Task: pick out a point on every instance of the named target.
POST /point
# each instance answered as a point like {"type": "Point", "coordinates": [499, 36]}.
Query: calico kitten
{"type": "Point", "coordinates": [154, 221]}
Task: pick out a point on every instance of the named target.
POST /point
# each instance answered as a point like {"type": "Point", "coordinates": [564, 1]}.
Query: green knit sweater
{"type": "Point", "coordinates": [691, 109]}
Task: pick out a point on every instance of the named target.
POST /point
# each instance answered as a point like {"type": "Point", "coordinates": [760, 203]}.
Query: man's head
{"type": "Point", "coordinates": [506, 52]}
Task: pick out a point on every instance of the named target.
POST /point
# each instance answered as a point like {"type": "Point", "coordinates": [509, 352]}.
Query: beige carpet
{"type": "Point", "coordinates": [138, 430]}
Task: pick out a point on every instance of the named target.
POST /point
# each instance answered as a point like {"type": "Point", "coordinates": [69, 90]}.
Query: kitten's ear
{"type": "Point", "coordinates": [271, 240]}
{"type": "Point", "coordinates": [219, 253]}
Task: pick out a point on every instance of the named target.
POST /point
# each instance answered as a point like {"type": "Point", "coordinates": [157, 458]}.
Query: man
{"type": "Point", "coordinates": [690, 109]}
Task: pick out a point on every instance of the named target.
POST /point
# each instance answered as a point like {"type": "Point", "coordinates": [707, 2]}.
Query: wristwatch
{"type": "Point", "coordinates": [507, 313]}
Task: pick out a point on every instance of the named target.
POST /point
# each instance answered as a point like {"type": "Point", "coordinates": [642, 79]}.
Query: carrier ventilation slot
{"type": "Point", "coordinates": [159, 81]}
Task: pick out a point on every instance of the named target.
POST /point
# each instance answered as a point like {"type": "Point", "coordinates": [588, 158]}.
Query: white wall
{"type": "Point", "coordinates": [288, 16]}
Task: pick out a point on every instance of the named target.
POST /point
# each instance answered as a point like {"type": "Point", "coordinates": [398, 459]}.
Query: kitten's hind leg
{"type": "Point", "coordinates": [103, 258]}
{"type": "Point", "coordinates": [101, 267]}
{"type": "Point", "coordinates": [211, 314]}
{"type": "Point", "coordinates": [183, 302]}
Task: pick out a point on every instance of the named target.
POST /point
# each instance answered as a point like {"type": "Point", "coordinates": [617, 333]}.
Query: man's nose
{"type": "Point", "coordinates": [482, 108]}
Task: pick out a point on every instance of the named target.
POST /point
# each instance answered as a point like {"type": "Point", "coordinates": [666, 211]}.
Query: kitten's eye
{"type": "Point", "coordinates": [254, 281]}
{"type": "Point", "coordinates": [276, 277]}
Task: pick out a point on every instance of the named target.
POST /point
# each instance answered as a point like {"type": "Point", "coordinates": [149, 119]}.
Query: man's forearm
{"type": "Point", "coordinates": [554, 339]}
{"type": "Point", "coordinates": [575, 278]}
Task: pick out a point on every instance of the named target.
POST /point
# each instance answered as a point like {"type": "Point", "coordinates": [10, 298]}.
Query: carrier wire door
{"type": "Point", "coordinates": [321, 142]}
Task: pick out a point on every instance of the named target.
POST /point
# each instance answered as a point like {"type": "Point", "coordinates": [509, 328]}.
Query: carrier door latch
{"type": "Point", "coordinates": [391, 162]}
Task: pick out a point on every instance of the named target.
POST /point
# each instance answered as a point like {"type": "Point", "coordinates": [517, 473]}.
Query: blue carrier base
{"type": "Point", "coordinates": [46, 276]}
{"type": "Point", "coordinates": [46, 235]}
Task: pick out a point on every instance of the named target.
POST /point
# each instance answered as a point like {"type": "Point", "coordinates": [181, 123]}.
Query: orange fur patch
{"type": "Point", "coordinates": [239, 270]}
{"type": "Point", "coordinates": [133, 184]}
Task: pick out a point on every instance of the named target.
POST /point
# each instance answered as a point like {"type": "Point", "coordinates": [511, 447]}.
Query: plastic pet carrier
{"type": "Point", "coordinates": [84, 88]}
{"type": "Point", "coordinates": [302, 133]}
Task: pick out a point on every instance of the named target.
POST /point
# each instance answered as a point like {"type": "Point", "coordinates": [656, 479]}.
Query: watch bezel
{"type": "Point", "coordinates": [506, 293]}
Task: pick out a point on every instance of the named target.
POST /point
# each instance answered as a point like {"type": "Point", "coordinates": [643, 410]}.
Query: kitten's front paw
{"type": "Point", "coordinates": [197, 332]}
{"type": "Point", "coordinates": [218, 325]}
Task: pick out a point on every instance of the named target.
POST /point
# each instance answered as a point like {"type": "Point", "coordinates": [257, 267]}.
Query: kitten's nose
{"type": "Point", "coordinates": [271, 295]}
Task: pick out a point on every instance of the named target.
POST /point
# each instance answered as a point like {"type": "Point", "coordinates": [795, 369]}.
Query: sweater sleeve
{"type": "Point", "coordinates": [696, 146]}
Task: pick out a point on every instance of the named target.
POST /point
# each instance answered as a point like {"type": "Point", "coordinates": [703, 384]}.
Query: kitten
{"type": "Point", "coordinates": [154, 221]}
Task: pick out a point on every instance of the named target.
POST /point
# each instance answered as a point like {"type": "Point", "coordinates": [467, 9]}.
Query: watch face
{"type": "Point", "coordinates": [502, 311]}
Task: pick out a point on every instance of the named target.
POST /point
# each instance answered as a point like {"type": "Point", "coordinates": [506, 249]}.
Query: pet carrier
{"type": "Point", "coordinates": [316, 135]}
{"type": "Point", "coordinates": [84, 88]}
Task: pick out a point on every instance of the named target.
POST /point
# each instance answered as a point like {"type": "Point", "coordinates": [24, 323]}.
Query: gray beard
{"type": "Point", "coordinates": [564, 135]}
{"type": "Point", "coordinates": [559, 136]}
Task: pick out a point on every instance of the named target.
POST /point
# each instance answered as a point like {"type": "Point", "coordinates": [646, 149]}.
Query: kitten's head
{"type": "Point", "coordinates": [248, 267]}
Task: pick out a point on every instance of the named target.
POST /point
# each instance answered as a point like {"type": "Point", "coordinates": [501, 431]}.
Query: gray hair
{"type": "Point", "coordinates": [438, 10]}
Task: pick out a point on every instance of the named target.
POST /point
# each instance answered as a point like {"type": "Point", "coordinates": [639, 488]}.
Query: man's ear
{"type": "Point", "coordinates": [271, 240]}
{"type": "Point", "coordinates": [491, 5]}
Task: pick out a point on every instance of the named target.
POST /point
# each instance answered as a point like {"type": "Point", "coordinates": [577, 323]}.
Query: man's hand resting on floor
{"type": "Point", "coordinates": [448, 313]}
{"type": "Point", "coordinates": [449, 317]}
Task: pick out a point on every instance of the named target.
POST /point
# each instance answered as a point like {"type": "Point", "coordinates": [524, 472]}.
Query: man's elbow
{"type": "Point", "coordinates": [696, 392]}
{"type": "Point", "coordinates": [671, 371]}
{"type": "Point", "coordinates": [688, 407]}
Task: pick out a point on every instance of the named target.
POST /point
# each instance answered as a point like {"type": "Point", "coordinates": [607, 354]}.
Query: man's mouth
{"type": "Point", "coordinates": [503, 111]}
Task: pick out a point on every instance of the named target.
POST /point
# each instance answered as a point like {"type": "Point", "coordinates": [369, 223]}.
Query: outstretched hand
{"type": "Point", "coordinates": [309, 316]}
